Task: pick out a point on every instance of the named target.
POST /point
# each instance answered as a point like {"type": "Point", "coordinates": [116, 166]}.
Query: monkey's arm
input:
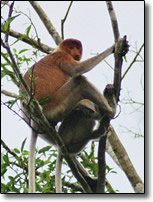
{"type": "Point", "coordinates": [76, 68]}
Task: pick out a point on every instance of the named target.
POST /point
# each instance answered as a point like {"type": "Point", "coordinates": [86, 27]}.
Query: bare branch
{"type": "Point", "coordinates": [120, 50]}
{"type": "Point", "coordinates": [8, 149]}
{"type": "Point", "coordinates": [120, 45]}
{"type": "Point", "coordinates": [134, 60]}
{"type": "Point", "coordinates": [125, 162]}
{"type": "Point", "coordinates": [118, 149]}
{"type": "Point", "coordinates": [42, 47]}
{"type": "Point", "coordinates": [9, 15]}
{"type": "Point", "coordinates": [113, 20]}
{"type": "Point", "coordinates": [9, 94]}
{"type": "Point", "coordinates": [46, 21]}
{"type": "Point", "coordinates": [64, 19]}
{"type": "Point", "coordinates": [101, 165]}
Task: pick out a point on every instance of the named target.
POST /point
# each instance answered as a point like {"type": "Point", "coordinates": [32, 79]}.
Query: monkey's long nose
{"type": "Point", "coordinates": [77, 57]}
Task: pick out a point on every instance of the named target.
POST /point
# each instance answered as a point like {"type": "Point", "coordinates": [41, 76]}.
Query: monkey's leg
{"type": "Point", "coordinates": [88, 91]}
{"type": "Point", "coordinates": [31, 163]}
{"type": "Point", "coordinates": [58, 180]}
{"type": "Point", "coordinates": [66, 98]}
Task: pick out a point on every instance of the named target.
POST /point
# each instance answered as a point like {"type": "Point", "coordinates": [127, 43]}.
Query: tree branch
{"type": "Point", "coordinates": [46, 21]}
{"type": "Point", "coordinates": [101, 165]}
{"type": "Point", "coordinates": [134, 59]}
{"type": "Point", "coordinates": [8, 149]}
{"type": "Point", "coordinates": [9, 15]}
{"type": "Point", "coordinates": [124, 162]}
{"type": "Point", "coordinates": [113, 20]}
{"type": "Point", "coordinates": [120, 50]}
{"type": "Point", "coordinates": [64, 19]}
{"type": "Point", "coordinates": [121, 44]}
{"type": "Point", "coordinates": [9, 94]}
{"type": "Point", "coordinates": [116, 145]}
{"type": "Point", "coordinates": [42, 47]}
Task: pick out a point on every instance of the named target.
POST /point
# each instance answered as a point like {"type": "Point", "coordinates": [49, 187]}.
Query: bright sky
{"type": "Point", "coordinates": [90, 23]}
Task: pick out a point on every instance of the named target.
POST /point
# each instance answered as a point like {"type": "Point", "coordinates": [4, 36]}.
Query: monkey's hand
{"type": "Point", "coordinates": [122, 46]}
{"type": "Point", "coordinates": [109, 93]}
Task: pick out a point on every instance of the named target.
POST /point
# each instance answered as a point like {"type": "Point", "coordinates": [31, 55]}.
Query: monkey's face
{"type": "Point", "coordinates": [75, 52]}
{"type": "Point", "coordinates": [73, 47]}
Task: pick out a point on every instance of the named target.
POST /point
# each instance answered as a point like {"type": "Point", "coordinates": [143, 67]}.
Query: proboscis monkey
{"type": "Point", "coordinates": [77, 130]}
{"type": "Point", "coordinates": [58, 76]}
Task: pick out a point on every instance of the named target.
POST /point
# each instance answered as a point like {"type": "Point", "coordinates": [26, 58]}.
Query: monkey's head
{"type": "Point", "coordinates": [72, 47]}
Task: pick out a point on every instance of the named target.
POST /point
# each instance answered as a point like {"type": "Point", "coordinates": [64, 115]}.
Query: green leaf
{"type": "Point", "coordinates": [25, 153]}
{"type": "Point", "coordinates": [28, 30]}
{"type": "Point", "coordinates": [43, 101]}
{"type": "Point", "coordinates": [17, 150]}
{"type": "Point", "coordinates": [125, 58]}
{"type": "Point", "coordinates": [23, 144]}
{"type": "Point", "coordinates": [23, 50]}
{"type": "Point", "coordinates": [6, 72]}
{"type": "Point", "coordinates": [20, 38]}
{"type": "Point", "coordinates": [12, 102]}
{"type": "Point", "coordinates": [5, 26]}
{"type": "Point", "coordinates": [6, 159]}
{"type": "Point", "coordinates": [3, 73]}
{"type": "Point", "coordinates": [44, 149]}
{"type": "Point", "coordinates": [11, 178]}
{"type": "Point", "coordinates": [22, 94]}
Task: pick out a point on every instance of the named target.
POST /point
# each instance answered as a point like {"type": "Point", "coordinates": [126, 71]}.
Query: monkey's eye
{"type": "Point", "coordinates": [78, 47]}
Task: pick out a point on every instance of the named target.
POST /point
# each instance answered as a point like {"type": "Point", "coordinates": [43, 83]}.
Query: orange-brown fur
{"type": "Point", "coordinates": [58, 77]}
{"type": "Point", "coordinates": [48, 77]}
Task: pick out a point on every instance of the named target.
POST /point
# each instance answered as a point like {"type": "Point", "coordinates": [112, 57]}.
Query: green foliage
{"type": "Point", "coordinates": [14, 167]}
{"type": "Point", "coordinates": [20, 58]}
{"type": "Point", "coordinates": [14, 170]}
{"type": "Point", "coordinates": [43, 101]}
{"type": "Point", "coordinates": [10, 103]}
{"type": "Point", "coordinates": [5, 25]}
{"type": "Point", "coordinates": [110, 170]}
{"type": "Point", "coordinates": [125, 58]}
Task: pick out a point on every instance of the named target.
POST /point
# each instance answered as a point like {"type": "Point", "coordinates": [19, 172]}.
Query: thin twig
{"type": "Point", "coordinates": [64, 19]}
{"type": "Point", "coordinates": [9, 94]}
{"type": "Point", "coordinates": [134, 59]}
{"type": "Point", "coordinates": [8, 149]}
{"type": "Point", "coordinates": [9, 15]}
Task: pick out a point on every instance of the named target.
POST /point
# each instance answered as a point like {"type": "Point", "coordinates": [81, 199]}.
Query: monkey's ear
{"type": "Point", "coordinates": [88, 104]}
{"type": "Point", "coordinates": [89, 109]}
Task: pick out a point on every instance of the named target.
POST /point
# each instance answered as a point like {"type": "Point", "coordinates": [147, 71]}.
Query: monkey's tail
{"type": "Point", "coordinates": [31, 163]}
{"type": "Point", "coordinates": [58, 180]}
